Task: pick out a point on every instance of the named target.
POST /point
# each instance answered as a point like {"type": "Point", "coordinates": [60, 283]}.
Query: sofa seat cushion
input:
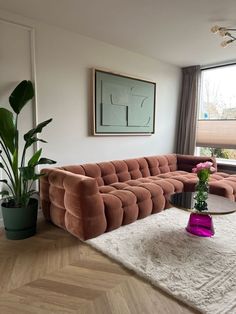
{"type": "Point", "coordinates": [220, 183]}
{"type": "Point", "coordinates": [168, 185]}
{"type": "Point", "coordinates": [135, 199]}
{"type": "Point", "coordinates": [172, 174]}
{"type": "Point", "coordinates": [226, 186]}
{"type": "Point", "coordinates": [124, 202]}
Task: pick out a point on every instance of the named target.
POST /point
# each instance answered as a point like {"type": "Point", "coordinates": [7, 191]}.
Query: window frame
{"type": "Point", "coordinates": [222, 161]}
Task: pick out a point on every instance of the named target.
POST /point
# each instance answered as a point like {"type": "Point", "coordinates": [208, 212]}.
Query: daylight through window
{"type": "Point", "coordinates": [216, 127]}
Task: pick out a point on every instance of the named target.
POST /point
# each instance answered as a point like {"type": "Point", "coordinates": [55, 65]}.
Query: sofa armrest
{"type": "Point", "coordinates": [73, 201]}
{"type": "Point", "coordinates": [188, 162]}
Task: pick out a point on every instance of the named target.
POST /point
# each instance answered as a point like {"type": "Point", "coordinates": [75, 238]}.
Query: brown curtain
{"type": "Point", "coordinates": [186, 131]}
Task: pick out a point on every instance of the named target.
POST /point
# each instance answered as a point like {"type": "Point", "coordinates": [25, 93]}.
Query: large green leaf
{"type": "Point", "coordinates": [37, 129]}
{"type": "Point", "coordinates": [7, 129]}
{"type": "Point", "coordinates": [37, 176]}
{"type": "Point", "coordinates": [33, 140]}
{"type": "Point", "coordinates": [44, 161]}
{"type": "Point", "coordinates": [15, 162]}
{"type": "Point", "coordinates": [4, 193]}
{"type": "Point", "coordinates": [21, 95]}
{"type": "Point", "coordinates": [3, 181]}
{"type": "Point", "coordinates": [27, 173]}
{"type": "Point", "coordinates": [34, 159]}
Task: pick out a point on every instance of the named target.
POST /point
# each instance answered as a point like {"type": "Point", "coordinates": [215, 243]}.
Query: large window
{"type": "Point", "coordinates": [216, 127]}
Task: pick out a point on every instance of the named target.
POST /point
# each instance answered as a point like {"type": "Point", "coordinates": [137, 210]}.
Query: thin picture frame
{"type": "Point", "coordinates": [122, 104]}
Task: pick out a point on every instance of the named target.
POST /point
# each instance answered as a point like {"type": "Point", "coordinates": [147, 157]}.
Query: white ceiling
{"type": "Point", "coordinates": [176, 31]}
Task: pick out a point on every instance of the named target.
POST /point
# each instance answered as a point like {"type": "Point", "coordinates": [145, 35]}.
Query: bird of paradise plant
{"type": "Point", "coordinates": [20, 174]}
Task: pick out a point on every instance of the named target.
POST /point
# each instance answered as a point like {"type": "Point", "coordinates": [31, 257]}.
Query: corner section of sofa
{"type": "Point", "coordinates": [72, 202]}
{"type": "Point", "coordinates": [188, 162]}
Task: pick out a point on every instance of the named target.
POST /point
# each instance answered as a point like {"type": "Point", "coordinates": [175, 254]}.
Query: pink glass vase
{"type": "Point", "coordinates": [200, 225]}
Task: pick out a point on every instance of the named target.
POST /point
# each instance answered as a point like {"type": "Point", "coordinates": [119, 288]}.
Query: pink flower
{"type": "Point", "coordinates": [204, 166]}
{"type": "Point", "coordinates": [208, 164]}
{"type": "Point", "coordinates": [212, 169]}
{"type": "Point", "coordinates": [200, 166]}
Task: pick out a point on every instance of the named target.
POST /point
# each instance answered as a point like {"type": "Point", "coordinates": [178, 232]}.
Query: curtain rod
{"type": "Point", "coordinates": [214, 66]}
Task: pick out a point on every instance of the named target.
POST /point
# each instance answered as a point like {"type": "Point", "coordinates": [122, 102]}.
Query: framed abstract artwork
{"type": "Point", "coordinates": [123, 104]}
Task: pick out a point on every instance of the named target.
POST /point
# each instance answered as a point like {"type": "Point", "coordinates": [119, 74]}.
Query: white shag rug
{"type": "Point", "coordinates": [198, 271]}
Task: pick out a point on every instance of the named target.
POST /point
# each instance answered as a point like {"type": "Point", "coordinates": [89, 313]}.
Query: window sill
{"type": "Point", "coordinates": [226, 162]}
{"type": "Point", "coordinates": [226, 165]}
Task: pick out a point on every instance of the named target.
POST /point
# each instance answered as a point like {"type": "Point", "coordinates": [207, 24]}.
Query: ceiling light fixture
{"type": "Point", "coordinates": [224, 32]}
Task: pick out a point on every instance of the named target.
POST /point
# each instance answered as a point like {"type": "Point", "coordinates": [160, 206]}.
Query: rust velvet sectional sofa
{"type": "Point", "coordinates": [90, 199]}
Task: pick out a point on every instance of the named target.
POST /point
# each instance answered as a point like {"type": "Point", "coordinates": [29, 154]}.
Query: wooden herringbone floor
{"type": "Point", "coordinates": [53, 272]}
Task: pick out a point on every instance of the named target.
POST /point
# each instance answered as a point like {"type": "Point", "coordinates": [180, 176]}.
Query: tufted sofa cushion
{"type": "Point", "coordinates": [107, 173]}
{"type": "Point", "coordinates": [162, 164]}
{"type": "Point", "coordinates": [138, 198]}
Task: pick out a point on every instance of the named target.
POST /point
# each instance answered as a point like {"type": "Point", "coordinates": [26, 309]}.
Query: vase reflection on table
{"type": "Point", "coordinates": [200, 222]}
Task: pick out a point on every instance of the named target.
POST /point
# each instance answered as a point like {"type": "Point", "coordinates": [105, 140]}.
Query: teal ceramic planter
{"type": "Point", "coordinates": [20, 223]}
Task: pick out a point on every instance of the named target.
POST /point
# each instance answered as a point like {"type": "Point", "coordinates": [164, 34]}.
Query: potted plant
{"type": "Point", "coordinates": [19, 208]}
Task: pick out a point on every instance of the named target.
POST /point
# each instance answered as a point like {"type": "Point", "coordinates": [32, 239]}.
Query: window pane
{"type": "Point", "coordinates": [218, 152]}
{"type": "Point", "coordinates": [218, 93]}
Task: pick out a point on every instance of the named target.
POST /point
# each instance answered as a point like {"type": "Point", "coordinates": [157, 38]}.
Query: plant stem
{"type": "Point", "coordinates": [15, 164]}
{"type": "Point", "coordinates": [10, 188]}
{"type": "Point", "coordinates": [7, 171]}
{"type": "Point", "coordinates": [23, 156]}
{"type": "Point", "coordinates": [6, 152]}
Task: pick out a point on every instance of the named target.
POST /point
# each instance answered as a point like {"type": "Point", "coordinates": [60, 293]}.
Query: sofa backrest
{"type": "Point", "coordinates": [123, 170]}
{"type": "Point", "coordinates": [162, 164]}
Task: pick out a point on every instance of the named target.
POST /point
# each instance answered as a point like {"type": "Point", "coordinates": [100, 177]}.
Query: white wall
{"type": "Point", "coordinates": [15, 64]}
{"type": "Point", "coordinates": [64, 85]}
